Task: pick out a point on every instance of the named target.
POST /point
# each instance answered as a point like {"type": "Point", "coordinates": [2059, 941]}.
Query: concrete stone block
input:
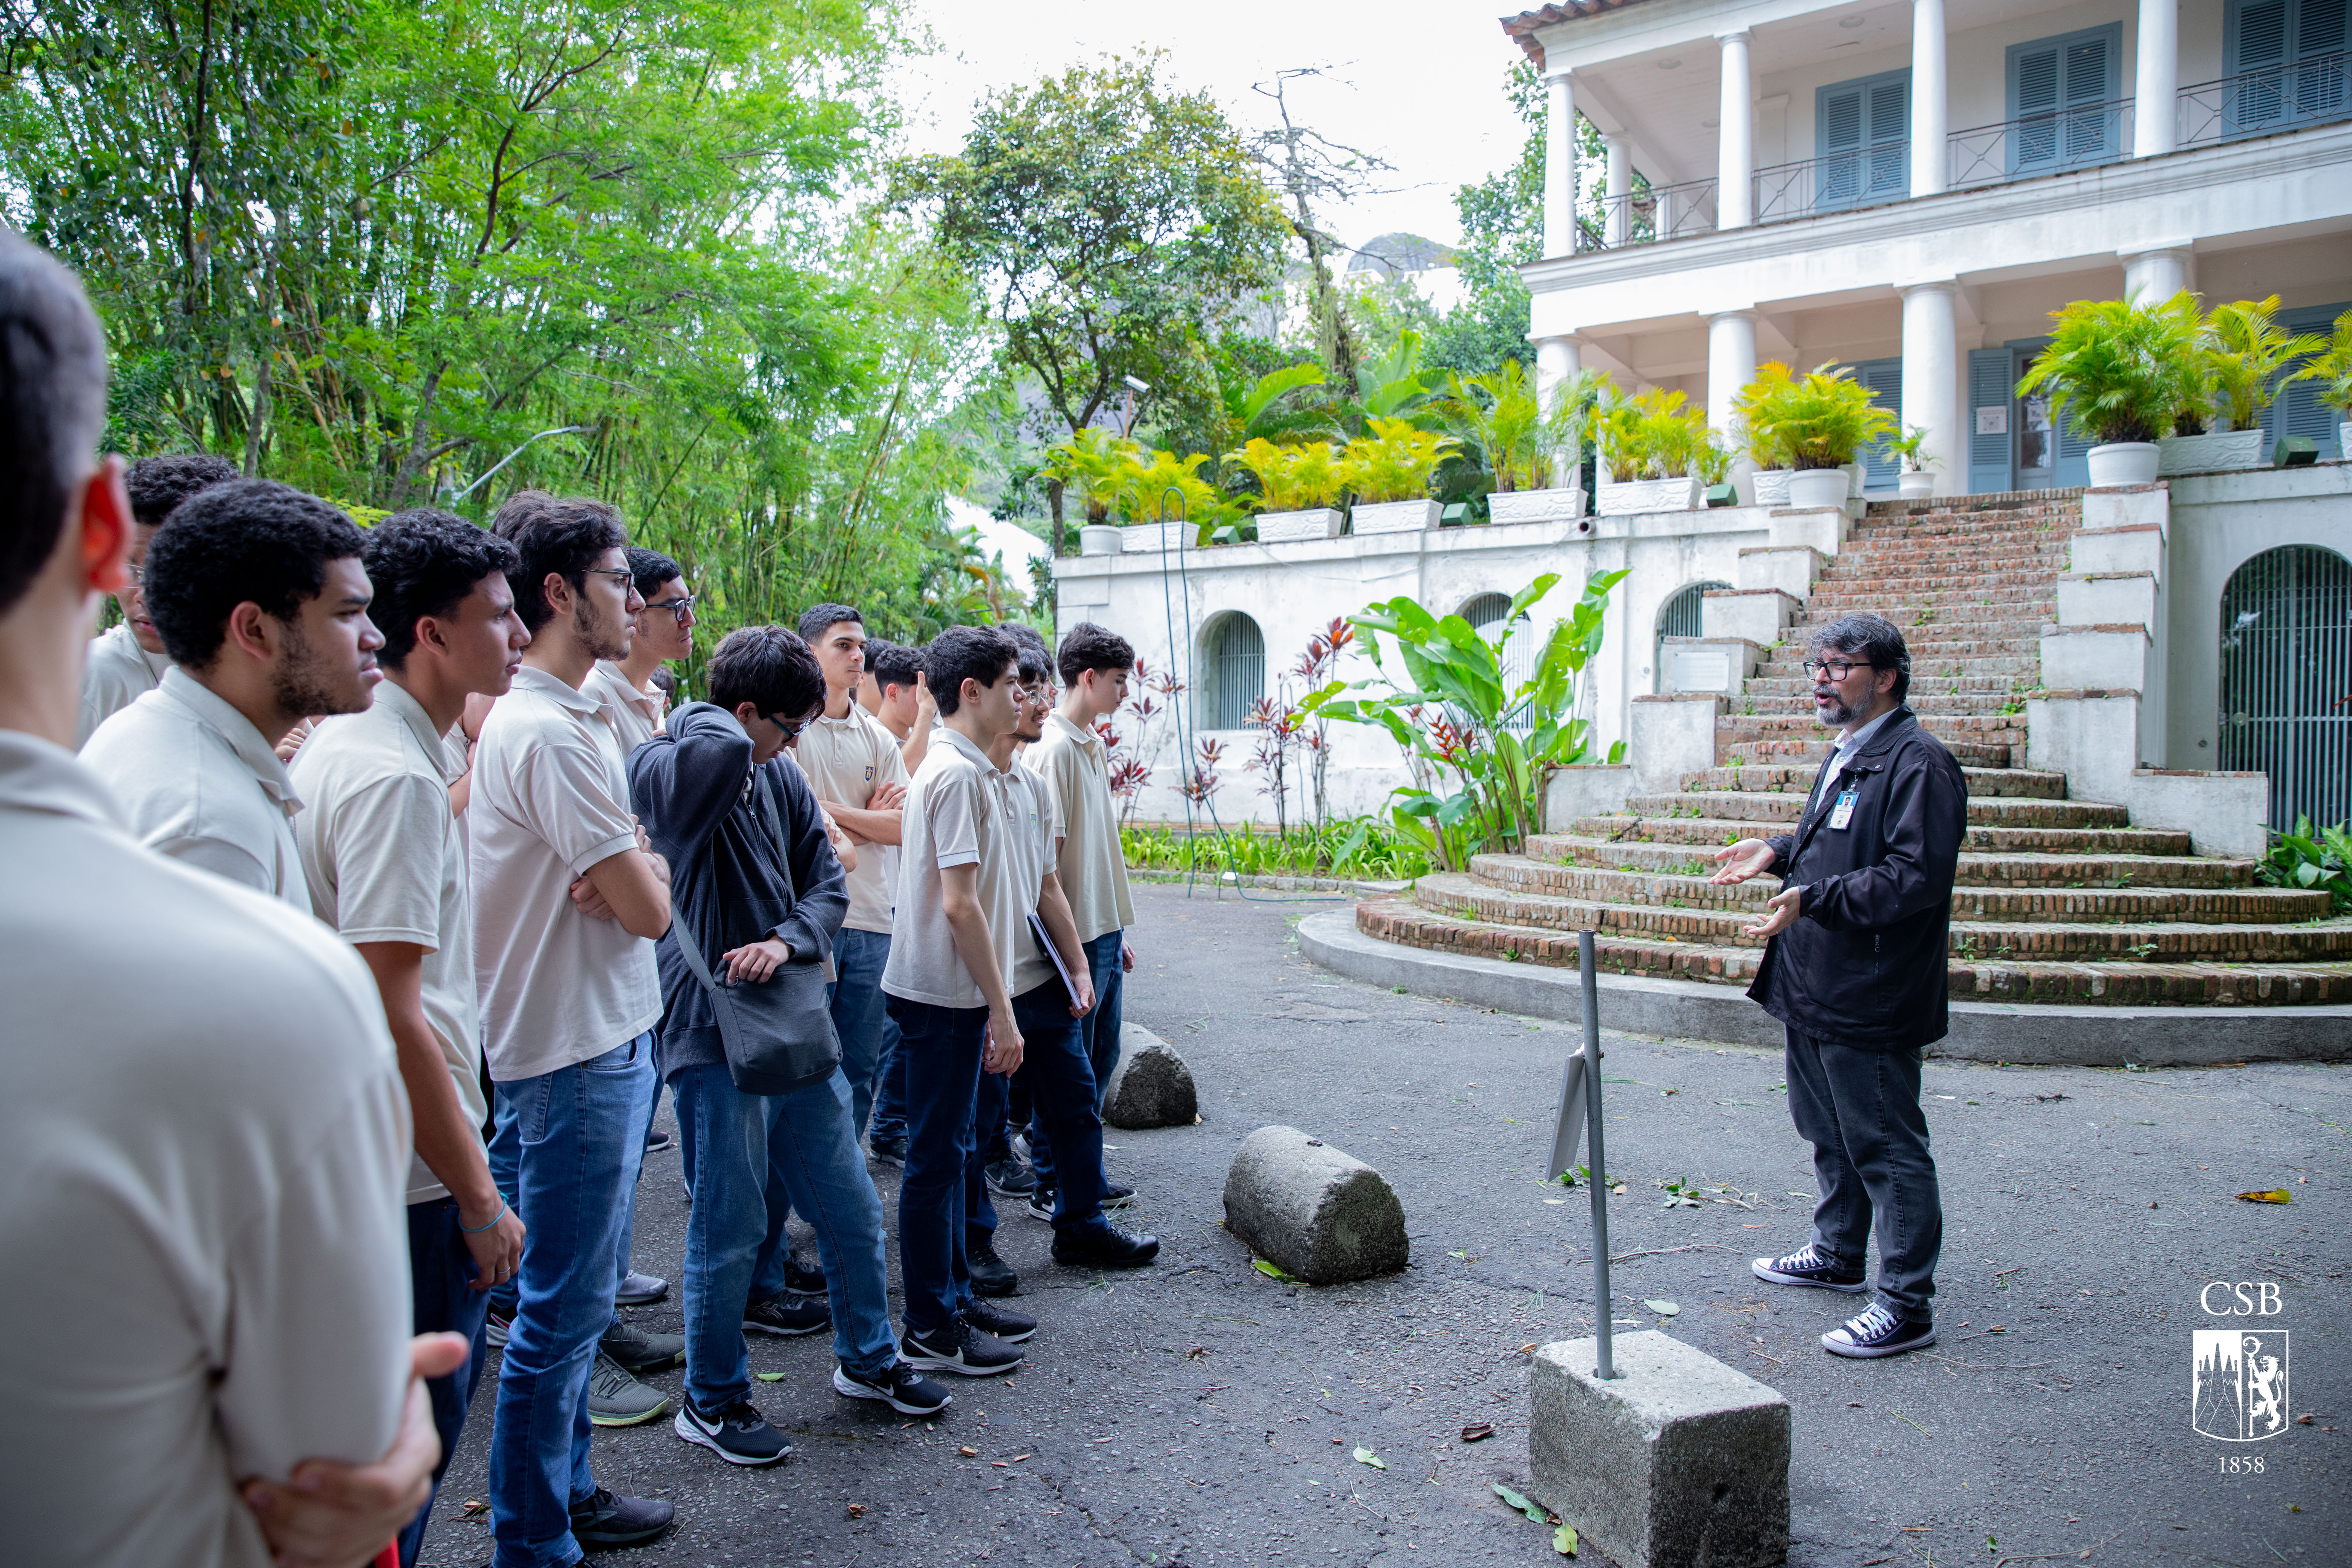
{"type": "Point", "coordinates": [1670, 738]}
{"type": "Point", "coordinates": [2091, 736]}
{"type": "Point", "coordinates": [1701, 665]}
{"type": "Point", "coordinates": [1320, 1213]}
{"type": "Point", "coordinates": [2107, 552]}
{"type": "Point", "coordinates": [1790, 570]}
{"type": "Point", "coordinates": [1822, 529]}
{"type": "Point", "coordinates": [1599, 790]}
{"type": "Point", "coordinates": [2096, 659]}
{"type": "Point", "coordinates": [2224, 814]}
{"type": "Point", "coordinates": [1150, 1087]}
{"type": "Point", "coordinates": [1682, 1462]}
{"type": "Point", "coordinates": [2125, 506]}
{"type": "Point", "coordinates": [2125, 598]}
{"type": "Point", "coordinates": [1757, 618]}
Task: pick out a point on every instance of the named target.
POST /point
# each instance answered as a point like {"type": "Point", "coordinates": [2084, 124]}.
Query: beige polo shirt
{"type": "Point", "coordinates": [553, 986]}
{"type": "Point", "coordinates": [207, 1147]}
{"type": "Point", "coordinates": [962, 811]}
{"type": "Point", "coordinates": [1074, 764]}
{"type": "Point", "coordinates": [198, 783]}
{"type": "Point", "coordinates": [635, 713]}
{"type": "Point", "coordinates": [386, 862]}
{"type": "Point", "coordinates": [1034, 851]}
{"type": "Point", "coordinates": [114, 674]}
{"type": "Point", "coordinates": [847, 760]}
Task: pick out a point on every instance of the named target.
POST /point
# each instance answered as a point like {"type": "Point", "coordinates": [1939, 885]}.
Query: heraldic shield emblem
{"type": "Point", "coordinates": [2240, 1389]}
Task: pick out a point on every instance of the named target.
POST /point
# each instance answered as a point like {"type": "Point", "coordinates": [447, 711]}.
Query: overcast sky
{"type": "Point", "coordinates": [1418, 84]}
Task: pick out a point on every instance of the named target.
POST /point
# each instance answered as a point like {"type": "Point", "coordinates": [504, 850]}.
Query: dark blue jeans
{"type": "Point", "coordinates": [855, 993]}
{"type": "Point", "coordinates": [441, 1273]}
{"type": "Point", "coordinates": [1098, 1035]}
{"type": "Point", "coordinates": [1860, 1110]}
{"type": "Point", "coordinates": [889, 1087]}
{"type": "Point", "coordinates": [943, 1048]}
{"type": "Point", "coordinates": [581, 1136]}
{"type": "Point", "coordinates": [1061, 1085]}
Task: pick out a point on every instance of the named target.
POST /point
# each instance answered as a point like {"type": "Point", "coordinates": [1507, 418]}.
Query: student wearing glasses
{"type": "Point", "coordinates": [661, 633]}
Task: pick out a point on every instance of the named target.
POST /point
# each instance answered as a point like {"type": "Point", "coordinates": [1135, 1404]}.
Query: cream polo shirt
{"type": "Point", "coordinates": [847, 760]}
{"type": "Point", "coordinates": [962, 811]}
{"type": "Point", "coordinates": [1074, 764]}
{"type": "Point", "coordinates": [1034, 852]}
{"type": "Point", "coordinates": [198, 783]}
{"type": "Point", "coordinates": [635, 715]}
{"type": "Point", "coordinates": [206, 1150]}
{"type": "Point", "coordinates": [550, 800]}
{"type": "Point", "coordinates": [386, 862]}
{"type": "Point", "coordinates": [113, 674]}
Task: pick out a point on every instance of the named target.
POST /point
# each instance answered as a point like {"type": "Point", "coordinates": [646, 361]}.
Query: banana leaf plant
{"type": "Point", "coordinates": [1479, 781]}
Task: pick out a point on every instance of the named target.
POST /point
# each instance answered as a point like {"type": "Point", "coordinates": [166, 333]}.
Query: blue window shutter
{"type": "Point", "coordinates": [2033, 93]}
{"type": "Point", "coordinates": [2320, 30]}
{"type": "Point", "coordinates": [2089, 135]}
{"type": "Point", "coordinates": [2298, 410]}
{"type": "Point", "coordinates": [1889, 173]}
{"type": "Point", "coordinates": [2073, 466]}
{"type": "Point", "coordinates": [2261, 37]}
{"type": "Point", "coordinates": [1841, 136]}
{"type": "Point", "coordinates": [1990, 376]}
{"type": "Point", "coordinates": [1884, 379]}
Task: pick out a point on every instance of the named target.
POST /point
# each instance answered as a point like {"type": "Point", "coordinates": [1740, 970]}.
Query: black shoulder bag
{"type": "Point", "coordinates": [778, 1034]}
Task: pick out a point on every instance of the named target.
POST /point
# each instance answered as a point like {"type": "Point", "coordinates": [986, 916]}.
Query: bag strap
{"type": "Point", "coordinates": [692, 952]}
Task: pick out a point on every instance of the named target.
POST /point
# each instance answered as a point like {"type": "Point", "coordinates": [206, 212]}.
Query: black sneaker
{"type": "Point", "coordinates": [738, 1434]}
{"type": "Point", "coordinates": [1877, 1332]}
{"type": "Point", "coordinates": [788, 1315]}
{"type": "Point", "coordinates": [902, 1388]}
{"type": "Point", "coordinates": [888, 1151]}
{"type": "Point", "coordinates": [1116, 1196]}
{"type": "Point", "coordinates": [997, 1322]}
{"type": "Point", "coordinates": [1041, 1205]}
{"type": "Point", "coordinates": [659, 1142]}
{"type": "Point", "coordinates": [603, 1522]}
{"type": "Point", "coordinates": [1806, 1266]}
{"type": "Point", "coordinates": [803, 1280]}
{"type": "Point", "coordinates": [962, 1350]}
{"type": "Point", "coordinates": [991, 1275]}
{"type": "Point", "coordinates": [1102, 1245]}
{"type": "Point", "coordinates": [640, 1351]}
{"type": "Point", "coordinates": [1011, 1179]}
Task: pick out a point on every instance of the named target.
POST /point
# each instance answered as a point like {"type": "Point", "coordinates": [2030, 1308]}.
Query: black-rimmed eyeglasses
{"type": "Point", "coordinates": [791, 727]}
{"type": "Point", "coordinates": [1839, 668]}
{"type": "Point", "coordinates": [681, 608]}
{"type": "Point", "coordinates": [628, 579]}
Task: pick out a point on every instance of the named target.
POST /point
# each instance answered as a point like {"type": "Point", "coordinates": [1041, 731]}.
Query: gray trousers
{"type": "Point", "coordinates": [1860, 1110]}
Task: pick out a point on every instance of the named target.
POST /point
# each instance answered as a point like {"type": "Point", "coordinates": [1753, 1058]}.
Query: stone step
{"type": "Point", "coordinates": [1467, 898]}
{"type": "Point", "coordinates": [1953, 641]}
{"type": "Point", "coordinates": [2206, 906]}
{"type": "Point", "coordinates": [1907, 606]}
{"type": "Point", "coordinates": [1786, 662]}
{"type": "Point", "coordinates": [1929, 694]}
{"type": "Point", "coordinates": [1782, 779]}
{"type": "Point", "coordinates": [1782, 807]}
{"type": "Point", "coordinates": [2003, 633]}
{"type": "Point", "coordinates": [1735, 753]}
{"type": "Point", "coordinates": [1714, 832]}
{"type": "Point", "coordinates": [2120, 984]}
{"type": "Point", "coordinates": [1860, 557]}
{"type": "Point", "coordinates": [1784, 699]}
{"type": "Point", "coordinates": [2006, 729]}
{"type": "Point", "coordinates": [2007, 869]}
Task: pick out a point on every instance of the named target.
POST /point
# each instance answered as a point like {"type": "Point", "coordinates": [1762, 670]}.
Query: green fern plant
{"type": "Point", "coordinates": [2119, 369]}
{"type": "Point", "coordinates": [2332, 368]}
{"type": "Point", "coordinates": [1821, 421]}
{"type": "Point", "coordinates": [2245, 351]}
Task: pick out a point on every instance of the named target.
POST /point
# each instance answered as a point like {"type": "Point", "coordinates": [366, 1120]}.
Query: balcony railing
{"type": "Point", "coordinates": [2079, 136]}
{"type": "Point", "coordinates": [2258, 102]}
{"type": "Point", "coordinates": [1645, 217]}
{"type": "Point", "coordinates": [1862, 177]}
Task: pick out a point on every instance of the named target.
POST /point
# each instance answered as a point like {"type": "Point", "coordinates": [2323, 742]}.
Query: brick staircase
{"type": "Point", "coordinates": [2056, 901]}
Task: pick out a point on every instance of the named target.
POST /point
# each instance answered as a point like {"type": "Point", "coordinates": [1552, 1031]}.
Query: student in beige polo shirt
{"type": "Point", "coordinates": [663, 632]}
{"type": "Point", "coordinates": [128, 658]}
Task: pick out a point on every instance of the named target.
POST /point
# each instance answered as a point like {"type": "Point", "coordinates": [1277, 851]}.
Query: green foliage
{"type": "Point", "coordinates": [1093, 467]}
{"type": "Point", "coordinates": [2119, 369]}
{"type": "Point", "coordinates": [1360, 846]}
{"type": "Point", "coordinates": [2331, 367]}
{"type": "Point", "coordinates": [1822, 420]}
{"type": "Point", "coordinates": [1499, 418]}
{"type": "Point", "coordinates": [1910, 447]}
{"type": "Point", "coordinates": [2245, 350]}
{"type": "Point", "coordinates": [1394, 386]}
{"type": "Point", "coordinates": [1652, 436]}
{"type": "Point", "coordinates": [1294, 478]}
{"type": "Point", "coordinates": [1460, 726]}
{"type": "Point", "coordinates": [1394, 462]}
{"type": "Point", "coordinates": [2317, 861]}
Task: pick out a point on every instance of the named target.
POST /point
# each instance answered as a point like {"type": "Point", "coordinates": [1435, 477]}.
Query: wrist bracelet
{"type": "Point", "coordinates": [491, 1223]}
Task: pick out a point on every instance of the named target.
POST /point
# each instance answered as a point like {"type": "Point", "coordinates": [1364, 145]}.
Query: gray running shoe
{"type": "Point", "coordinates": [639, 1351]}
{"type": "Point", "coordinates": [616, 1399]}
{"type": "Point", "coordinates": [640, 1290]}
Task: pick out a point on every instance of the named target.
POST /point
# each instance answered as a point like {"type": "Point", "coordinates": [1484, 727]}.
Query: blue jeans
{"type": "Point", "coordinates": [855, 993]}
{"type": "Point", "coordinates": [581, 1132]}
{"type": "Point", "coordinates": [1061, 1085]}
{"type": "Point", "coordinates": [889, 1087]}
{"type": "Point", "coordinates": [442, 1272]}
{"type": "Point", "coordinates": [506, 1153]}
{"type": "Point", "coordinates": [942, 1046]}
{"type": "Point", "coordinates": [1098, 1031]}
{"type": "Point", "coordinates": [803, 1140]}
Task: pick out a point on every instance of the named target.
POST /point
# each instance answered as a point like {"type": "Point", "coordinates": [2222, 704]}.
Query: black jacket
{"type": "Point", "coordinates": [693, 788]}
{"type": "Point", "coordinates": [1866, 962]}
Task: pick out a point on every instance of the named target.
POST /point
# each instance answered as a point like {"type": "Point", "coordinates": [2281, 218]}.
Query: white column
{"type": "Point", "coordinates": [1931, 386]}
{"type": "Point", "coordinates": [1735, 195]}
{"type": "Point", "coordinates": [1556, 360]}
{"type": "Point", "coordinates": [2157, 80]}
{"type": "Point", "coordinates": [1620, 225]}
{"type": "Point", "coordinates": [1731, 364]}
{"type": "Point", "coordinates": [1559, 169]}
{"type": "Point", "coordinates": [1930, 116]}
{"type": "Point", "coordinates": [2158, 274]}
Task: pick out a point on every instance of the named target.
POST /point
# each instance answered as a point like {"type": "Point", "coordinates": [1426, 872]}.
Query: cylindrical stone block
{"type": "Point", "coordinates": [1150, 1087]}
{"type": "Point", "coordinates": [1314, 1211]}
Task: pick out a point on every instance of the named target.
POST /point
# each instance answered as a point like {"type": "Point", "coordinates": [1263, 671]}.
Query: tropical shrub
{"type": "Point", "coordinates": [2119, 370]}
{"type": "Point", "coordinates": [1909, 447]}
{"type": "Point", "coordinates": [1673, 441]}
{"type": "Point", "coordinates": [1394, 462]}
{"type": "Point", "coordinates": [1501, 419]}
{"type": "Point", "coordinates": [1294, 478]}
{"type": "Point", "coordinates": [2332, 368]}
{"type": "Point", "coordinates": [1361, 846]}
{"type": "Point", "coordinates": [1822, 420]}
{"type": "Point", "coordinates": [1093, 467]}
{"type": "Point", "coordinates": [2244, 350]}
{"type": "Point", "coordinates": [2316, 860]}
{"type": "Point", "coordinates": [1622, 438]}
{"type": "Point", "coordinates": [1756, 412]}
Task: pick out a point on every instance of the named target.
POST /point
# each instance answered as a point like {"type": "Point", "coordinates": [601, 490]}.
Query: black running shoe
{"type": "Point", "coordinates": [738, 1434]}
{"type": "Point", "coordinates": [659, 1142]}
{"type": "Point", "coordinates": [641, 1351]}
{"type": "Point", "coordinates": [801, 1280]}
{"type": "Point", "coordinates": [1041, 1205]}
{"type": "Point", "coordinates": [902, 1388]}
{"type": "Point", "coordinates": [1876, 1332]}
{"type": "Point", "coordinates": [991, 1275]}
{"type": "Point", "coordinates": [1011, 1179]}
{"type": "Point", "coordinates": [889, 1150]}
{"type": "Point", "coordinates": [603, 1522]}
{"type": "Point", "coordinates": [1806, 1266]}
{"type": "Point", "coordinates": [1098, 1244]}
{"type": "Point", "coordinates": [1116, 1196]}
{"type": "Point", "coordinates": [962, 1350]}
{"type": "Point", "coordinates": [788, 1315]}
{"type": "Point", "coordinates": [999, 1323]}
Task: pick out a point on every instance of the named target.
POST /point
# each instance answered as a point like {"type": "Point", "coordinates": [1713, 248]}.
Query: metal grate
{"type": "Point", "coordinates": [2287, 680]}
{"type": "Point", "coordinates": [1485, 614]}
{"type": "Point", "coordinates": [1680, 618]}
{"type": "Point", "coordinates": [1236, 671]}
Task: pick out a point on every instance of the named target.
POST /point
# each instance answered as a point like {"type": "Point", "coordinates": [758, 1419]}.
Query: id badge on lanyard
{"type": "Point", "coordinates": [1841, 813]}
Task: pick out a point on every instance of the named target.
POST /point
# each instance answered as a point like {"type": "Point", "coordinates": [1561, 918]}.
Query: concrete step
{"type": "Point", "coordinates": [2006, 729]}
{"type": "Point", "coordinates": [1935, 694]}
{"type": "Point", "coordinates": [1970, 590]}
{"type": "Point", "coordinates": [1777, 809]}
{"type": "Point", "coordinates": [1714, 832]}
{"type": "Point", "coordinates": [1735, 753]}
{"type": "Point", "coordinates": [2014, 783]}
{"type": "Point", "coordinates": [2006, 869]}
{"type": "Point", "coordinates": [2004, 671]}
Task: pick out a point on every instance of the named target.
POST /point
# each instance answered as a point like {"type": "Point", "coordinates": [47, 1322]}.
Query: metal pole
{"type": "Point", "coordinates": [510, 456]}
{"type": "Point", "coordinates": [1607, 1367]}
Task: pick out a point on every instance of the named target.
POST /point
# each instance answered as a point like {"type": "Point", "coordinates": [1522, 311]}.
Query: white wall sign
{"type": "Point", "coordinates": [1993, 421]}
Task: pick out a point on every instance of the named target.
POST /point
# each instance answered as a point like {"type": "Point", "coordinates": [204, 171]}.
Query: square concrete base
{"type": "Point", "coordinates": [1680, 1462]}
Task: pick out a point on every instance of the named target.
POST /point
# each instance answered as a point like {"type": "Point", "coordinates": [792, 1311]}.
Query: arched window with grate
{"type": "Point", "coordinates": [2287, 680]}
{"type": "Point", "coordinates": [1233, 660]}
{"type": "Point", "coordinates": [1486, 615]}
{"type": "Point", "coordinates": [1680, 617]}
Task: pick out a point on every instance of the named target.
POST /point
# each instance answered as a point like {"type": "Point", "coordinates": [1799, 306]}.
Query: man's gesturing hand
{"type": "Point", "coordinates": [1784, 906]}
{"type": "Point", "coordinates": [757, 963]}
{"type": "Point", "coordinates": [1742, 860]}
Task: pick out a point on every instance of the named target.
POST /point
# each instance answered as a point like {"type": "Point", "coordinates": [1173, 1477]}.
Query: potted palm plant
{"type": "Point", "coordinates": [1915, 482]}
{"type": "Point", "coordinates": [2241, 354]}
{"type": "Point", "coordinates": [2332, 368]}
{"type": "Point", "coordinates": [1091, 467]}
{"type": "Point", "coordinates": [1650, 452]}
{"type": "Point", "coordinates": [2116, 369]}
{"type": "Point", "coordinates": [1389, 472]}
{"type": "Point", "coordinates": [1821, 422]}
{"type": "Point", "coordinates": [1302, 487]}
{"type": "Point", "coordinates": [1754, 409]}
{"type": "Point", "coordinates": [1504, 421]}
{"type": "Point", "coordinates": [1195, 511]}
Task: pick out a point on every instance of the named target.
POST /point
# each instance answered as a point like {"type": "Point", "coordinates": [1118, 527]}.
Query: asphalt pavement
{"type": "Point", "coordinates": [1201, 1412]}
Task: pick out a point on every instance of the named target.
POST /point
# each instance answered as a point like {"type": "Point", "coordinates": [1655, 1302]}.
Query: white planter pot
{"type": "Point", "coordinates": [2123, 463]}
{"type": "Point", "coordinates": [1771, 485]}
{"type": "Point", "coordinates": [1648, 495]}
{"type": "Point", "coordinates": [2210, 454]}
{"type": "Point", "coordinates": [1812, 488]}
{"type": "Point", "coordinates": [1914, 486]}
{"type": "Point", "coordinates": [1395, 516]}
{"type": "Point", "coordinates": [1140, 538]}
{"type": "Point", "coordinates": [1099, 539]}
{"type": "Point", "coordinates": [1289, 527]}
{"type": "Point", "coordinates": [1536, 505]}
